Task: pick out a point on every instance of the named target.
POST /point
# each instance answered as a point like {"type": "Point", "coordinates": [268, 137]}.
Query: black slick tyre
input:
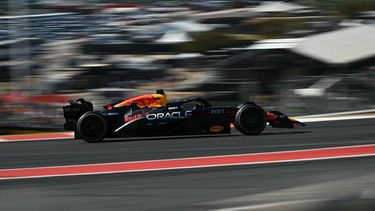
{"type": "Point", "coordinates": [92, 127]}
{"type": "Point", "coordinates": [250, 119]}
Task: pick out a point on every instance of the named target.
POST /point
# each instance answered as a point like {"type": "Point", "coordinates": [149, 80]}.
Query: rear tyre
{"type": "Point", "coordinates": [92, 127]}
{"type": "Point", "coordinates": [250, 119]}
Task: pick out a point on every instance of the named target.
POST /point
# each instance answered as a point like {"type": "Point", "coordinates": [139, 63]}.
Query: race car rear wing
{"type": "Point", "coordinates": [74, 111]}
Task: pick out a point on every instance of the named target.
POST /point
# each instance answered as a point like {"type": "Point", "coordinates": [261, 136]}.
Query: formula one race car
{"type": "Point", "coordinates": [151, 115]}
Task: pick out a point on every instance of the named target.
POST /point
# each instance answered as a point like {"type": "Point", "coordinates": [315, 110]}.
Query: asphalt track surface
{"type": "Point", "coordinates": [191, 189]}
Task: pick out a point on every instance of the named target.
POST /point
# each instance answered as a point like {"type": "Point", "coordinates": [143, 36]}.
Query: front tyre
{"type": "Point", "coordinates": [92, 127]}
{"type": "Point", "coordinates": [250, 119]}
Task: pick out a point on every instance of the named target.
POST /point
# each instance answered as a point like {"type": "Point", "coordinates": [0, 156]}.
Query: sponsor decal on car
{"type": "Point", "coordinates": [216, 128]}
{"type": "Point", "coordinates": [170, 115]}
{"type": "Point", "coordinates": [132, 117]}
{"type": "Point", "coordinates": [173, 108]}
{"type": "Point", "coordinates": [217, 111]}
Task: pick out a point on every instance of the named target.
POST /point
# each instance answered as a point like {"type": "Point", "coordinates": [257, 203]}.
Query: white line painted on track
{"type": "Point", "coordinates": [339, 113]}
{"type": "Point", "coordinates": [269, 205]}
{"type": "Point", "coordinates": [191, 162]}
{"type": "Point", "coordinates": [328, 119]}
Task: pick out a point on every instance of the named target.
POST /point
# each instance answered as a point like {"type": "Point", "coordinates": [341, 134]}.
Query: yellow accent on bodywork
{"type": "Point", "coordinates": [150, 100]}
{"type": "Point", "coordinates": [216, 128]}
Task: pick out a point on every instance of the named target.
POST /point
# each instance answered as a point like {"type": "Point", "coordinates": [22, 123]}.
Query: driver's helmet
{"type": "Point", "coordinates": [160, 91]}
{"type": "Point", "coordinates": [160, 99]}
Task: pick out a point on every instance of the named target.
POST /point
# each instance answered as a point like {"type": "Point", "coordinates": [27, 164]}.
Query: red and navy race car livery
{"type": "Point", "coordinates": [152, 115]}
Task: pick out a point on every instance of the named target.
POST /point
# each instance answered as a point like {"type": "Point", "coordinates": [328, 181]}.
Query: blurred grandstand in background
{"type": "Point", "coordinates": [303, 57]}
